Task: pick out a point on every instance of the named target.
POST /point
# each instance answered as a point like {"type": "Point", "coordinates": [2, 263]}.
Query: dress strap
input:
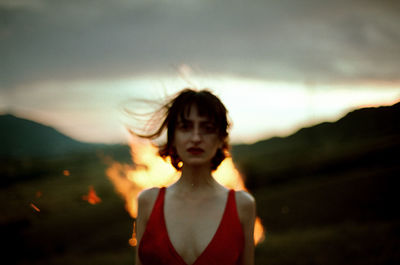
{"type": "Point", "coordinates": [158, 204]}
{"type": "Point", "coordinates": [160, 196]}
{"type": "Point", "coordinates": [232, 204]}
{"type": "Point", "coordinates": [231, 197]}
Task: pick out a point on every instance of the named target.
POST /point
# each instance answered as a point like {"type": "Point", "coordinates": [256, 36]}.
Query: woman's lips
{"type": "Point", "coordinates": [195, 150]}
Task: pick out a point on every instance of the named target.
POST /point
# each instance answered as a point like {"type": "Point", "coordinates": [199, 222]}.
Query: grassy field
{"type": "Point", "coordinates": [67, 230]}
{"type": "Point", "coordinates": [348, 217]}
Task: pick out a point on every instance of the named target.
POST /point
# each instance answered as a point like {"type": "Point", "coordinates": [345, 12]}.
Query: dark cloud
{"type": "Point", "coordinates": [318, 41]}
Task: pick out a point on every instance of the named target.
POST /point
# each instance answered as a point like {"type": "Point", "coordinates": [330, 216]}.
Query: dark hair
{"type": "Point", "coordinates": [207, 105]}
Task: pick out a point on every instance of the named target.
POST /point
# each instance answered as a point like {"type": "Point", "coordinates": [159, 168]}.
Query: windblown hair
{"type": "Point", "coordinates": [207, 105]}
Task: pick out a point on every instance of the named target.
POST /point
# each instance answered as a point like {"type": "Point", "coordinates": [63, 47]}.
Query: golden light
{"type": "Point", "coordinates": [150, 170]}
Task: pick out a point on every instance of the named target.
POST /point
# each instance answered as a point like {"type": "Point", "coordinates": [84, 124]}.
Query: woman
{"type": "Point", "coordinates": [196, 220]}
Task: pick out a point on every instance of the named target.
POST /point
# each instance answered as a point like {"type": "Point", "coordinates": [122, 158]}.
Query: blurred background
{"type": "Point", "coordinates": [312, 89]}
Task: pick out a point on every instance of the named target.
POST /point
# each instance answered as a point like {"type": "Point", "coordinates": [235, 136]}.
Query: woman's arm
{"type": "Point", "coordinates": [146, 200]}
{"type": "Point", "coordinates": [247, 214]}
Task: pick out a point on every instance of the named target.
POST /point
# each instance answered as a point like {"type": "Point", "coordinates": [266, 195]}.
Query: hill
{"type": "Point", "coordinates": [29, 150]}
{"type": "Point", "coordinates": [25, 138]}
{"type": "Point", "coordinates": [362, 138]}
{"type": "Point", "coordinates": [327, 194]}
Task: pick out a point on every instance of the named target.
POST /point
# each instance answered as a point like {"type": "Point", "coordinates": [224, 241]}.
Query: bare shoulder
{"type": "Point", "coordinates": [246, 206]}
{"type": "Point", "coordinates": [244, 199]}
{"type": "Point", "coordinates": [148, 194]}
{"type": "Point", "coordinates": [146, 200]}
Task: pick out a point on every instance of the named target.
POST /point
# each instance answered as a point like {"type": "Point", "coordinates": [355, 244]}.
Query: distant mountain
{"type": "Point", "coordinates": [30, 150]}
{"type": "Point", "coordinates": [368, 137]}
{"type": "Point", "coordinates": [25, 138]}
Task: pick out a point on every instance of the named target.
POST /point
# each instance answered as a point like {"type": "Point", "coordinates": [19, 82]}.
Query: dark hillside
{"type": "Point", "coordinates": [328, 194]}
{"type": "Point", "coordinates": [25, 138]}
{"type": "Point", "coordinates": [30, 150]}
{"type": "Point", "coordinates": [363, 138]}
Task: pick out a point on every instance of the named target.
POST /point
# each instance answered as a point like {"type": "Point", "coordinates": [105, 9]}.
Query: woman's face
{"type": "Point", "coordinates": [196, 139]}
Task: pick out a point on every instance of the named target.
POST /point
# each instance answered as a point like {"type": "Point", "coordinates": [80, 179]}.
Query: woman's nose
{"type": "Point", "coordinates": [196, 135]}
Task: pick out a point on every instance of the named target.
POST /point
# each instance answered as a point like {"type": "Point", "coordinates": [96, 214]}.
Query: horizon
{"type": "Point", "coordinates": [18, 116]}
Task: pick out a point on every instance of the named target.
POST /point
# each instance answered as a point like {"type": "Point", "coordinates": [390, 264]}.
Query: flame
{"type": "Point", "coordinates": [132, 240]}
{"type": "Point", "coordinates": [35, 208]}
{"type": "Point", "coordinates": [91, 197]}
{"type": "Point", "coordinates": [150, 170]}
{"type": "Point", "coordinates": [259, 232]}
{"type": "Point", "coordinates": [66, 172]}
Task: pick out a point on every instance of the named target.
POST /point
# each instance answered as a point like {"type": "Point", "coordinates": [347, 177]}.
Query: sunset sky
{"type": "Point", "coordinates": [277, 65]}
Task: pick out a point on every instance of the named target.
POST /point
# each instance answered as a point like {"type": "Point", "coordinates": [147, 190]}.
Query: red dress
{"type": "Point", "coordinates": [225, 248]}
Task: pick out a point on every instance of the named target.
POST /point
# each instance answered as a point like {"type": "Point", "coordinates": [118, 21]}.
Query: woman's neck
{"type": "Point", "coordinates": [196, 179]}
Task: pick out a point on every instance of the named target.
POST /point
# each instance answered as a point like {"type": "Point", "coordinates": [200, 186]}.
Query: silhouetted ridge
{"type": "Point", "coordinates": [363, 137]}
{"type": "Point", "coordinates": [22, 137]}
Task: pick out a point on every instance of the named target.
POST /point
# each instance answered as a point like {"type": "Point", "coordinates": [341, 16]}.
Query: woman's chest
{"type": "Point", "coordinates": [192, 227]}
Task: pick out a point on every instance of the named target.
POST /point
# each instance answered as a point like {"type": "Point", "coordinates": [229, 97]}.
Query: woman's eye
{"type": "Point", "coordinates": [210, 129]}
{"type": "Point", "coordinates": [184, 126]}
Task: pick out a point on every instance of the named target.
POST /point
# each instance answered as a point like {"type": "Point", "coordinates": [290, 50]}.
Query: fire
{"type": "Point", "coordinates": [259, 233]}
{"type": "Point", "coordinates": [35, 208]}
{"type": "Point", "coordinates": [132, 240]}
{"type": "Point", "coordinates": [150, 170]}
{"type": "Point", "coordinates": [91, 197]}
{"type": "Point", "coordinates": [66, 172]}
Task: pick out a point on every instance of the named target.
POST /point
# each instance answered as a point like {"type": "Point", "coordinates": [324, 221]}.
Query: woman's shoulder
{"type": "Point", "coordinates": [244, 198]}
{"type": "Point", "coordinates": [147, 198]}
{"type": "Point", "coordinates": [246, 204]}
{"type": "Point", "coordinates": [148, 194]}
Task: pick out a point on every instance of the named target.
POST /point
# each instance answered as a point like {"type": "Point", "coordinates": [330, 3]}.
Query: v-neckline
{"type": "Point", "coordinates": [169, 242]}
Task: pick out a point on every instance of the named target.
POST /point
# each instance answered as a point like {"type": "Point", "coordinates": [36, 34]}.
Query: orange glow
{"type": "Point", "coordinates": [150, 170]}
{"type": "Point", "coordinates": [35, 208]}
{"type": "Point", "coordinates": [66, 172]}
{"type": "Point", "coordinates": [259, 232]}
{"type": "Point", "coordinates": [39, 194]}
{"type": "Point", "coordinates": [132, 240]}
{"type": "Point", "coordinates": [91, 197]}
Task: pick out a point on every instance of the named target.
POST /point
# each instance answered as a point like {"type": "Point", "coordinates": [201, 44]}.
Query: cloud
{"type": "Point", "coordinates": [305, 40]}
